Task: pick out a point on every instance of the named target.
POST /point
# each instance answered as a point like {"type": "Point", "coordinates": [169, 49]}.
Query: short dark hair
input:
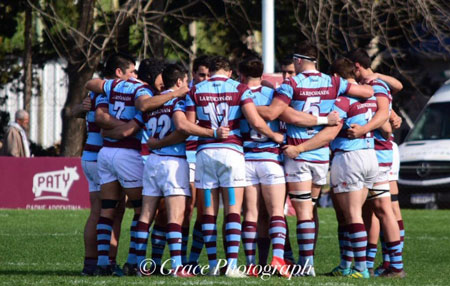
{"type": "Point", "coordinates": [200, 61]}
{"type": "Point", "coordinates": [343, 67]}
{"type": "Point", "coordinates": [115, 61]}
{"type": "Point", "coordinates": [287, 61]}
{"type": "Point", "coordinates": [251, 67]}
{"type": "Point", "coordinates": [149, 69]}
{"type": "Point", "coordinates": [307, 49]}
{"type": "Point", "coordinates": [172, 73]}
{"type": "Point", "coordinates": [217, 63]}
{"type": "Point", "coordinates": [360, 56]}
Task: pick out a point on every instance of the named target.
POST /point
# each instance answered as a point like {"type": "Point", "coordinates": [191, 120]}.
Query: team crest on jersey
{"type": "Point", "coordinates": [57, 182]}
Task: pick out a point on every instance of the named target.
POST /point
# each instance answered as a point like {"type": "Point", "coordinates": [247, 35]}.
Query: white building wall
{"type": "Point", "coordinates": [46, 107]}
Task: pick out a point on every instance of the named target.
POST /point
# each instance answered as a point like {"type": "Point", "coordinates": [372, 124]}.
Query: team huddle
{"type": "Point", "coordinates": [164, 146]}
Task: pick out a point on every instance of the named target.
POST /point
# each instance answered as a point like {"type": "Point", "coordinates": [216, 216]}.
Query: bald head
{"type": "Point", "coordinates": [22, 118]}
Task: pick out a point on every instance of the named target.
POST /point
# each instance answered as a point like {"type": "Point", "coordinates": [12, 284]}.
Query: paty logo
{"type": "Point", "coordinates": [54, 182]}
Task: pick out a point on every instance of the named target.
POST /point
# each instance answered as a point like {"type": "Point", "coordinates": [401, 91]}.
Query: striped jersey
{"type": "Point", "coordinates": [94, 140]}
{"type": "Point", "coordinates": [315, 93]}
{"type": "Point", "coordinates": [383, 147]}
{"type": "Point", "coordinates": [258, 147]}
{"type": "Point", "coordinates": [217, 102]}
{"type": "Point", "coordinates": [159, 124]}
{"type": "Point", "coordinates": [354, 111]}
{"type": "Point", "coordinates": [120, 97]}
{"type": "Point", "coordinates": [191, 148]}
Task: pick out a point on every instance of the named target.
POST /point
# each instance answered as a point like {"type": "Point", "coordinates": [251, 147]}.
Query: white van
{"type": "Point", "coordinates": [424, 177]}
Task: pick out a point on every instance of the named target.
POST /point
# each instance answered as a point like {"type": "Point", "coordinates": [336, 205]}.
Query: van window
{"type": "Point", "coordinates": [433, 123]}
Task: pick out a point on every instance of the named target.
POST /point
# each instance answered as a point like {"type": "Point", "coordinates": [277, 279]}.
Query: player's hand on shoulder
{"type": "Point", "coordinates": [153, 143]}
{"type": "Point", "coordinates": [333, 118]}
{"type": "Point", "coordinates": [355, 131]}
{"type": "Point", "coordinates": [223, 132]}
{"type": "Point", "coordinates": [182, 91]}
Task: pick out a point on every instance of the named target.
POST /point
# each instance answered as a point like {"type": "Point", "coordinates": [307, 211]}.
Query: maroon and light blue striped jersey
{"type": "Point", "coordinates": [312, 92]}
{"type": "Point", "coordinates": [217, 102]}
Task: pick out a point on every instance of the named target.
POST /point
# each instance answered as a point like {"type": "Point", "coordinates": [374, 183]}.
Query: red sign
{"type": "Point", "coordinates": [43, 183]}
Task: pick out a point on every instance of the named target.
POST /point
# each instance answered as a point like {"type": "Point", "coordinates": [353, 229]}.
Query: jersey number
{"type": "Point", "coordinates": [119, 107]}
{"type": "Point", "coordinates": [218, 114]}
{"type": "Point", "coordinates": [312, 107]}
{"type": "Point", "coordinates": [162, 122]}
{"type": "Point", "coordinates": [368, 116]}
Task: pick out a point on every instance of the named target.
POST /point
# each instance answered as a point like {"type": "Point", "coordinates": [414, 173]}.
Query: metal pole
{"type": "Point", "coordinates": [268, 35]}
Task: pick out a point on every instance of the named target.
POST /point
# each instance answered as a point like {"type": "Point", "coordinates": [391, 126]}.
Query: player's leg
{"type": "Point", "coordinates": [372, 225]}
{"type": "Point", "coordinates": [252, 197]}
{"type": "Point", "coordinates": [158, 234]}
{"type": "Point", "coordinates": [315, 195]}
{"type": "Point", "coordinates": [207, 183]}
{"type": "Point", "coordinates": [263, 238]}
{"type": "Point", "coordinates": [90, 235]}
{"type": "Point", "coordinates": [351, 204]}
{"type": "Point", "coordinates": [197, 235]}
{"type": "Point", "coordinates": [120, 211]}
{"type": "Point", "coordinates": [393, 178]}
{"type": "Point", "coordinates": [249, 225]}
{"type": "Point", "coordinates": [231, 174]}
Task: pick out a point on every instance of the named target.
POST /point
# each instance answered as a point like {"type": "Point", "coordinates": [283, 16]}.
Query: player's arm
{"type": "Point", "coordinates": [122, 131]}
{"type": "Point", "coordinates": [149, 103]}
{"type": "Point", "coordinates": [360, 90]}
{"type": "Point", "coordinates": [81, 109]}
{"type": "Point", "coordinates": [380, 117]}
{"type": "Point", "coordinates": [386, 130]}
{"type": "Point", "coordinates": [183, 125]}
{"type": "Point", "coordinates": [171, 139]}
{"type": "Point", "coordinates": [395, 120]}
{"type": "Point", "coordinates": [104, 120]}
{"type": "Point", "coordinates": [303, 119]}
{"type": "Point", "coordinates": [95, 85]}
{"type": "Point", "coordinates": [257, 123]}
{"type": "Point", "coordinates": [394, 84]}
{"type": "Point", "coordinates": [272, 111]}
{"type": "Point", "coordinates": [319, 140]}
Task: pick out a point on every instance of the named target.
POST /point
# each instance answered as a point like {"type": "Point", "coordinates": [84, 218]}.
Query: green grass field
{"type": "Point", "coordinates": [45, 247]}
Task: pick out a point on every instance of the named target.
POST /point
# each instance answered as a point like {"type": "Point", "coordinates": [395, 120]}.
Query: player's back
{"type": "Point", "coordinates": [315, 93]}
{"type": "Point", "coordinates": [258, 147]}
{"type": "Point", "coordinates": [94, 140]}
{"type": "Point", "coordinates": [217, 102]}
{"type": "Point", "coordinates": [354, 111]}
{"type": "Point", "coordinates": [159, 124]}
{"type": "Point", "coordinates": [121, 96]}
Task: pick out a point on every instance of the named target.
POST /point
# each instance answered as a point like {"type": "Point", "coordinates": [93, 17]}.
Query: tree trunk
{"type": "Point", "coordinates": [27, 59]}
{"type": "Point", "coordinates": [74, 129]}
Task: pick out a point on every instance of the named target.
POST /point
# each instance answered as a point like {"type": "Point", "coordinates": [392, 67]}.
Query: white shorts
{"type": "Point", "coordinates": [166, 176]}
{"type": "Point", "coordinates": [393, 173]}
{"type": "Point", "coordinates": [219, 167]}
{"type": "Point", "coordinates": [120, 164]}
{"type": "Point", "coordinates": [381, 190]}
{"type": "Point", "coordinates": [354, 170]}
{"type": "Point", "coordinates": [191, 172]}
{"type": "Point", "coordinates": [91, 174]}
{"type": "Point", "coordinates": [300, 171]}
{"type": "Point", "coordinates": [264, 172]}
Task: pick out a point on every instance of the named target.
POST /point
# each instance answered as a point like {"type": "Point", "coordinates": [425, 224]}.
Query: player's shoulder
{"type": "Point", "coordinates": [378, 83]}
